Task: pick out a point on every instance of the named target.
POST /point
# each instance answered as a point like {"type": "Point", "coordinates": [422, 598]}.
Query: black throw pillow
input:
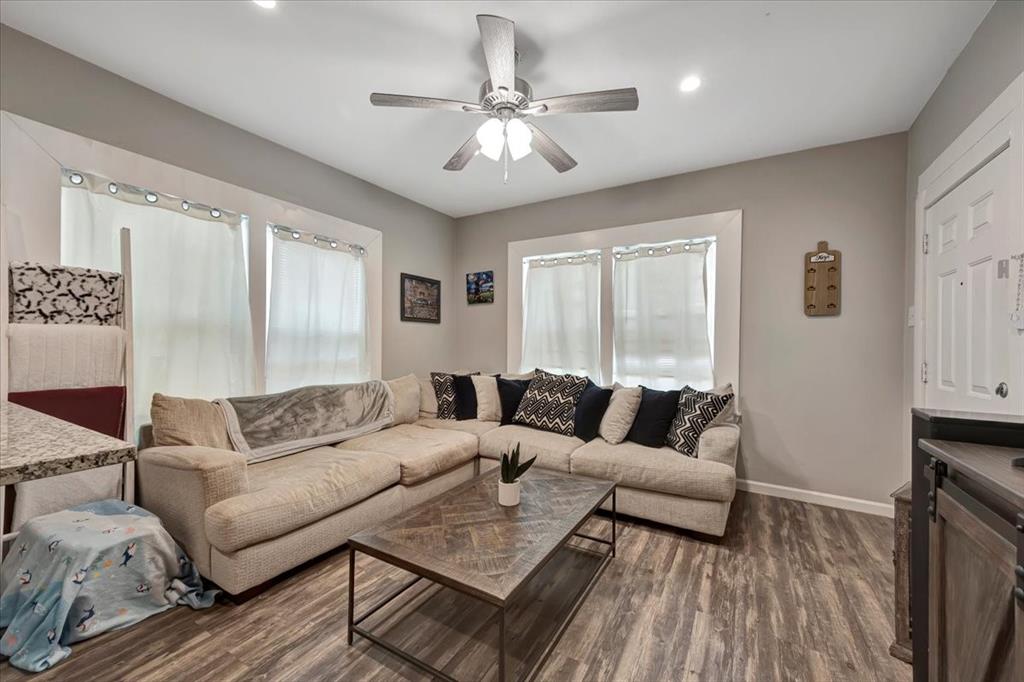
{"type": "Point", "coordinates": [465, 397]}
{"type": "Point", "coordinates": [510, 393]}
{"type": "Point", "coordinates": [589, 410]}
{"type": "Point", "coordinates": [653, 419]}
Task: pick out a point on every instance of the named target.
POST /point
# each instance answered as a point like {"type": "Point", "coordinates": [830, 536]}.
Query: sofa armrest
{"type": "Point", "coordinates": [719, 444]}
{"type": "Point", "coordinates": [179, 483]}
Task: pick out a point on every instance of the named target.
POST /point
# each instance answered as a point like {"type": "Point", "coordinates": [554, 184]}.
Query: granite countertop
{"type": "Point", "coordinates": [35, 445]}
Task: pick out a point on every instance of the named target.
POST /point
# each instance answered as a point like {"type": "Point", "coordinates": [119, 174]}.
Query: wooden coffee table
{"type": "Point", "coordinates": [464, 540]}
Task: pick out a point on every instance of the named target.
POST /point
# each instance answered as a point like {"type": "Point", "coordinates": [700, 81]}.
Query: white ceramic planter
{"type": "Point", "coordinates": [508, 494]}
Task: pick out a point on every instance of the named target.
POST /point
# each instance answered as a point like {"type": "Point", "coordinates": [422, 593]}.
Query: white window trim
{"type": "Point", "coordinates": [727, 229]}
{"type": "Point", "coordinates": [31, 216]}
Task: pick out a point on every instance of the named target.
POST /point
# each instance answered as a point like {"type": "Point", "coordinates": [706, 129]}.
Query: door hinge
{"type": "Point", "coordinates": [924, 372]}
{"type": "Point", "coordinates": [924, 244]}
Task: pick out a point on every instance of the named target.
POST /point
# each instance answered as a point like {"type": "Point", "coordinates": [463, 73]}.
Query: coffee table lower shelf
{"type": "Point", "coordinates": [501, 610]}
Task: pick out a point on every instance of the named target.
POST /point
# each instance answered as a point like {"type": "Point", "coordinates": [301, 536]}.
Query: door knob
{"type": "Point", "coordinates": [1001, 390]}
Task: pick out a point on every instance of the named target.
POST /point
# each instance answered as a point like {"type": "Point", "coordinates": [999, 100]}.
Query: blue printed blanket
{"type": "Point", "coordinates": [77, 573]}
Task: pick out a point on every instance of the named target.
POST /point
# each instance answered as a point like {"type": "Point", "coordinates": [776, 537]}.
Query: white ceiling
{"type": "Point", "coordinates": [778, 77]}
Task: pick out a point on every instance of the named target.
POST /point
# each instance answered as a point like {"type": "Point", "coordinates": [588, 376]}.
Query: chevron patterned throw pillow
{"type": "Point", "coordinates": [696, 410]}
{"type": "Point", "coordinates": [444, 389]}
{"type": "Point", "coordinates": [550, 402]}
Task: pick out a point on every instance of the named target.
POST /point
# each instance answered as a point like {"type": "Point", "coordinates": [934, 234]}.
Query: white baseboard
{"type": "Point", "coordinates": [826, 499]}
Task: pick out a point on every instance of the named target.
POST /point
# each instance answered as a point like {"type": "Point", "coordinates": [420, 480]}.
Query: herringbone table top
{"type": "Point", "coordinates": [464, 539]}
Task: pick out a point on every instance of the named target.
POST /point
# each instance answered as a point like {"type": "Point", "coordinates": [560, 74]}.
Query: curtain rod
{"type": "Point", "coordinates": [98, 184]}
{"type": "Point", "coordinates": [319, 240]}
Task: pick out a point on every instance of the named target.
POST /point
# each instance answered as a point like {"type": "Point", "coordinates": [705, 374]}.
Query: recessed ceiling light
{"type": "Point", "coordinates": [690, 83]}
{"type": "Point", "coordinates": [266, 4]}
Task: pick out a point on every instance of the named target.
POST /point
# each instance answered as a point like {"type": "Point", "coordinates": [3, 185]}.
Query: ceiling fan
{"type": "Point", "coordinates": [508, 104]}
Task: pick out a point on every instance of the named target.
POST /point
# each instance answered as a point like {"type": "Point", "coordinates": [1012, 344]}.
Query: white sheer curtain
{"type": "Point", "coordinates": [191, 323]}
{"type": "Point", "coordinates": [660, 317]}
{"type": "Point", "coordinates": [317, 331]}
{"type": "Point", "coordinates": [561, 316]}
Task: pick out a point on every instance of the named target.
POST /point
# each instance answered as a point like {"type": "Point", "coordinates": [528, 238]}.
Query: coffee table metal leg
{"type": "Point", "coordinates": [351, 591]}
{"type": "Point", "coordinates": [502, 647]}
{"type": "Point", "coordinates": [613, 521]}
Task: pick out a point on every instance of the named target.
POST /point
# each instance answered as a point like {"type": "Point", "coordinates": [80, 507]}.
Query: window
{"type": "Point", "coordinates": [660, 320]}
{"type": "Point", "coordinates": [317, 326]}
{"type": "Point", "coordinates": [562, 308]}
{"type": "Point", "coordinates": [191, 324]}
{"type": "Point", "coordinates": [655, 308]}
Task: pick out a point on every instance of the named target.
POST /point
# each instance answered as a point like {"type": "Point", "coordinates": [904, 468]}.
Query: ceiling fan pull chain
{"type": "Point", "coordinates": [506, 155]}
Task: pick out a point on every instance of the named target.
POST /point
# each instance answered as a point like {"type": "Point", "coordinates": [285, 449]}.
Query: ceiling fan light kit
{"type": "Point", "coordinates": [507, 102]}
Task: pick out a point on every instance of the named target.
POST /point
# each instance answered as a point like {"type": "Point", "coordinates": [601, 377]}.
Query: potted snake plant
{"type": "Point", "coordinates": [511, 471]}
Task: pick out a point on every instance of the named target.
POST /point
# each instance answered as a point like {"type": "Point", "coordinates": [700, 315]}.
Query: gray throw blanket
{"type": "Point", "coordinates": [267, 426]}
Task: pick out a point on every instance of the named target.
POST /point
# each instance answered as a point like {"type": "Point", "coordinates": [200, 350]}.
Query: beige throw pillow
{"type": "Point", "coordinates": [619, 416]}
{"type": "Point", "coordinates": [728, 415]}
{"type": "Point", "coordinates": [406, 392]}
{"type": "Point", "coordinates": [428, 400]}
{"type": "Point", "coordinates": [188, 421]}
{"type": "Point", "coordinates": [488, 404]}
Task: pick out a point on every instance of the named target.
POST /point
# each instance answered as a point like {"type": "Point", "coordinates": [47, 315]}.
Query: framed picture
{"type": "Point", "coordinates": [420, 299]}
{"type": "Point", "coordinates": [480, 287]}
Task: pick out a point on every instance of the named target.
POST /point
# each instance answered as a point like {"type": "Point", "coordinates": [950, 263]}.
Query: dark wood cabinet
{"type": "Point", "coordinates": [974, 618]}
{"type": "Point", "coordinates": [962, 427]}
{"type": "Point", "coordinates": [975, 583]}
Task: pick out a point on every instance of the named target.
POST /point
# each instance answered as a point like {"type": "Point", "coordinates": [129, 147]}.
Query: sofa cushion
{"type": "Point", "coordinates": [654, 417]}
{"type": "Point", "coordinates": [428, 400]}
{"type": "Point", "coordinates": [188, 421]}
{"type": "Point", "coordinates": [695, 413]}
{"type": "Point", "coordinates": [659, 469]}
{"type": "Point", "coordinates": [406, 393]}
{"type": "Point", "coordinates": [619, 416]}
{"type": "Point", "coordinates": [552, 450]}
{"type": "Point", "coordinates": [477, 427]}
{"type": "Point", "coordinates": [421, 452]}
{"type": "Point", "coordinates": [729, 414]}
{"type": "Point", "coordinates": [510, 394]}
{"type": "Point", "coordinates": [465, 397]}
{"type": "Point", "coordinates": [590, 410]}
{"type": "Point", "coordinates": [550, 402]}
{"type": "Point", "coordinates": [290, 492]}
{"type": "Point", "coordinates": [488, 403]}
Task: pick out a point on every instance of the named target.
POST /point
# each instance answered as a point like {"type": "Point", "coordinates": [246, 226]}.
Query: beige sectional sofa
{"type": "Point", "coordinates": [244, 524]}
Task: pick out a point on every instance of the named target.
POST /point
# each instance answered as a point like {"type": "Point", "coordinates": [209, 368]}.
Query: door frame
{"type": "Point", "coordinates": [999, 129]}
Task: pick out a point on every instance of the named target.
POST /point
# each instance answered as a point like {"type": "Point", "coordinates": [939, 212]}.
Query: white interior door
{"type": "Point", "coordinates": [973, 349]}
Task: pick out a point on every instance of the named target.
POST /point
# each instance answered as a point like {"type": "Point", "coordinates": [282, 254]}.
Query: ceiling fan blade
{"type": "Point", "coordinates": [623, 99]}
{"type": "Point", "coordinates": [498, 36]}
{"type": "Point", "coordinates": [465, 153]}
{"type": "Point", "coordinates": [381, 99]}
{"type": "Point", "coordinates": [550, 150]}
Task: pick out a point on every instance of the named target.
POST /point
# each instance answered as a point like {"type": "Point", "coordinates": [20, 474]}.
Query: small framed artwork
{"type": "Point", "coordinates": [420, 299]}
{"type": "Point", "coordinates": [480, 287]}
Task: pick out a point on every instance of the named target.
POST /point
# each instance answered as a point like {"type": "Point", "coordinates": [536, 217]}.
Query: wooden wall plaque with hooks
{"type": "Point", "coordinates": [823, 271]}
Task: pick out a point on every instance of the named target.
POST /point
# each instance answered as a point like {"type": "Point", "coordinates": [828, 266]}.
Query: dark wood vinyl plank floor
{"type": "Point", "coordinates": [793, 592]}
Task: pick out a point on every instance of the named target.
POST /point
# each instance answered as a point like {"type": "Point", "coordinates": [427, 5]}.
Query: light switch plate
{"type": "Point", "coordinates": [911, 316]}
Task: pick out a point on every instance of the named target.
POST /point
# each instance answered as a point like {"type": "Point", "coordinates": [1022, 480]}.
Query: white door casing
{"type": "Point", "coordinates": [970, 225]}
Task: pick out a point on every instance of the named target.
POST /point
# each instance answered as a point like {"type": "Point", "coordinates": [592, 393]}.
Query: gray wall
{"type": "Point", "coordinates": [821, 397]}
{"type": "Point", "coordinates": [986, 66]}
{"type": "Point", "coordinates": [43, 83]}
